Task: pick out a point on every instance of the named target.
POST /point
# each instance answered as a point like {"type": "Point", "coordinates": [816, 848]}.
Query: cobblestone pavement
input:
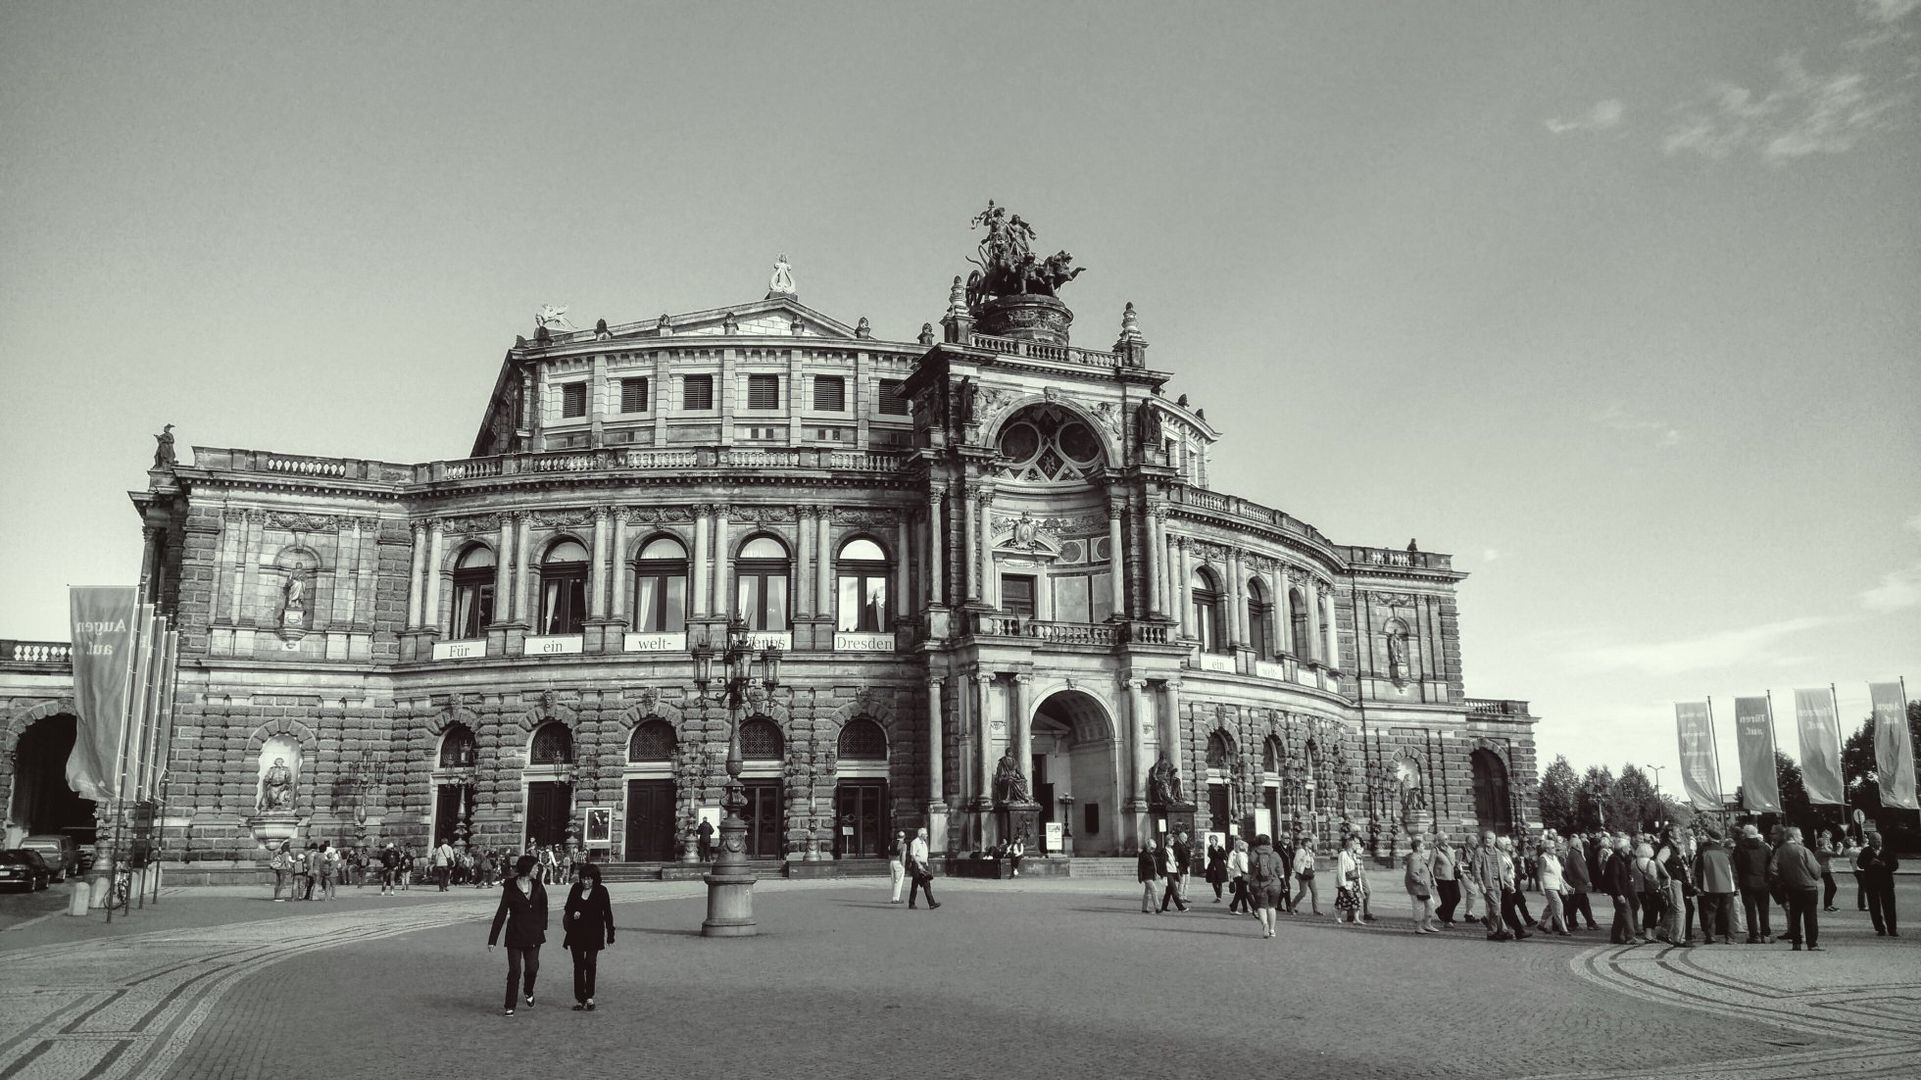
{"type": "Point", "coordinates": [1065, 978]}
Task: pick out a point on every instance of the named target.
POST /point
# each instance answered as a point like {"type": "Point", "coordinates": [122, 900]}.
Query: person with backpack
{"type": "Point", "coordinates": [389, 868]}
{"type": "Point", "coordinates": [1267, 880]}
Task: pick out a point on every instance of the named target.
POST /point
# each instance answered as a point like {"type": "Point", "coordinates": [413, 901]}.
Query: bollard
{"type": "Point", "coordinates": [97, 892]}
{"type": "Point", "coordinates": [80, 894]}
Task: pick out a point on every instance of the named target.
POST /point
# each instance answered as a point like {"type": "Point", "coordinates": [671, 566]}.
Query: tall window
{"type": "Point", "coordinates": [863, 587]}
{"type": "Point", "coordinates": [633, 395]}
{"type": "Point", "coordinates": [830, 393]}
{"type": "Point", "coordinates": [697, 392]}
{"type": "Point", "coordinates": [1271, 756]}
{"type": "Point", "coordinates": [1017, 595]}
{"type": "Point", "coordinates": [563, 588]}
{"type": "Point", "coordinates": [1297, 624]}
{"type": "Point", "coordinates": [891, 401]}
{"type": "Point", "coordinates": [473, 592]}
{"type": "Point", "coordinates": [1260, 615]}
{"type": "Point", "coordinates": [573, 399]}
{"type": "Point", "coordinates": [760, 575]}
{"type": "Point", "coordinates": [1207, 611]}
{"type": "Point", "coordinates": [660, 586]}
{"type": "Point", "coordinates": [763, 391]}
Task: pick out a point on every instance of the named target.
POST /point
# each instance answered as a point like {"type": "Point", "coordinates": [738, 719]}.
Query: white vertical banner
{"type": "Point", "coordinates": [127, 782]}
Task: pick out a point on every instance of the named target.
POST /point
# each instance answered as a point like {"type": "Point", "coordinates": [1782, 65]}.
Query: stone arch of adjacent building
{"type": "Point", "coordinates": [1078, 744]}
{"type": "Point", "coordinates": [20, 818]}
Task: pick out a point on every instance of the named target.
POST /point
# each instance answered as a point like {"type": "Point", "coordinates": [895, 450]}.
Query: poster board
{"type": "Point", "coordinates": [1051, 837]}
{"type": "Point", "coordinates": [600, 827]}
{"type": "Point", "coordinates": [711, 815]}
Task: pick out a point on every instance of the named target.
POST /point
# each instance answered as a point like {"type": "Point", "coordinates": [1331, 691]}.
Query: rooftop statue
{"type": "Point", "coordinates": [1008, 266]}
{"type": "Point", "coordinates": [782, 281]}
{"type": "Point", "coordinates": [550, 317]}
{"type": "Point", "coordinates": [163, 451]}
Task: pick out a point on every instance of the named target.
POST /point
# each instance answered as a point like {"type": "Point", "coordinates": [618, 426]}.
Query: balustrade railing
{"type": "Point", "coordinates": [35, 652]}
{"type": "Point", "coordinates": [1041, 350]}
{"type": "Point", "coordinates": [1497, 707]}
{"type": "Point", "coordinates": [991, 624]}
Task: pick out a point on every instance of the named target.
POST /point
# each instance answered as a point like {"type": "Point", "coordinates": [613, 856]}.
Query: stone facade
{"type": "Point", "coordinates": [972, 542]}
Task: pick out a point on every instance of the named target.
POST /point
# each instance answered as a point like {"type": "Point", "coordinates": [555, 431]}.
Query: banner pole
{"type": "Point", "coordinates": [118, 803]}
{"type": "Point", "coordinates": [1714, 743]}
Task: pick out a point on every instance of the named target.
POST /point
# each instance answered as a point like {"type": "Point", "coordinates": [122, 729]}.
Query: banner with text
{"type": "Point", "coordinates": [1700, 771]}
{"type": "Point", "coordinates": [1893, 746]}
{"type": "Point", "coordinates": [1820, 746]}
{"type": "Point", "coordinates": [103, 647]}
{"type": "Point", "coordinates": [1754, 742]}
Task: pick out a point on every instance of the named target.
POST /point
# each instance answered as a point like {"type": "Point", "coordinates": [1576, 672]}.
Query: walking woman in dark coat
{"type": "Point", "coordinates": [588, 921]}
{"type": "Point", "coordinates": [523, 910]}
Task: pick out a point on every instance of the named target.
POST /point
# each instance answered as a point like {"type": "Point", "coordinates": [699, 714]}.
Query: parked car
{"type": "Point", "coordinates": [22, 867]}
{"type": "Point", "coordinates": [59, 851]}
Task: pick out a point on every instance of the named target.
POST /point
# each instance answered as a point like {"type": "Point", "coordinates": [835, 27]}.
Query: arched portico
{"type": "Point", "coordinates": [1076, 772]}
{"type": "Point", "coordinates": [38, 798]}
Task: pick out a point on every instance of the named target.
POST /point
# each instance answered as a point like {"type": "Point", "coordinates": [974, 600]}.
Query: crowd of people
{"type": "Point", "coordinates": [315, 871]}
{"type": "Point", "coordinates": [1676, 886]}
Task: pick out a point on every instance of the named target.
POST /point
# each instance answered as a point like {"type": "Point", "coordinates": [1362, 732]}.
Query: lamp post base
{"type": "Point", "coordinates": [730, 885]}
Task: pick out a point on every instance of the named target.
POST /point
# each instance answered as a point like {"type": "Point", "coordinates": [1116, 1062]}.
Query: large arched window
{"type": "Point", "coordinates": [1049, 442]}
{"type": "Point", "coordinates": [653, 741]}
{"type": "Point", "coordinates": [553, 745]}
{"type": "Point", "coordinates": [1272, 754]}
{"type": "Point", "coordinates": [457, 748]}
{"type": "Point", "coordinates": [862, 740]}
{"type": "Point", "coordinates": [473, 592]}
{"type": "Point", "coordinates": [660, 587]}
{"type": "Point", "coordinates": [760, 740]}
{"type": "Point", "coordinates": [760, 574]}
{"type": "Point", "coordinates": [1260, 616]}
{"type": "Point", "coordinates": [863, 571]}
{"type": "Point", "coordinates": [1297, 624]}
{"type": "Point", "coordinates": [1491, 806]}
{"type": "Point", "coordinates": [563, 588]}
{"type": "Point", "coordinates": [1207, 611]}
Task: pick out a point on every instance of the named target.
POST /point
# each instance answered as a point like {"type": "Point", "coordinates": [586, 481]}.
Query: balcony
{"type": "Point", "coordinates": [1504, 707]}
{"type": "Point", "coordinates": [987, 624]}
{"type": "Point", "coordinates": [36, 654]}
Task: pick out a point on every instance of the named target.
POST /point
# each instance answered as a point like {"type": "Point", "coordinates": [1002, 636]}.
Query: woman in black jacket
{"type": "Point", "coordinates": [589, 919]}
{"type": "Point", "coordinates": [523, 908]}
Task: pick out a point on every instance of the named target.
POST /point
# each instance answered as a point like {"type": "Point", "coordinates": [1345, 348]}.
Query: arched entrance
{"type": "Point", "coordinates": [1492, 809]}
{"type": "Point", "coordinates": [860, 791]}
{"type": "Point", "coordinates": [1076, 772]}
{"type": "Point", "coordinates": [42, 802]}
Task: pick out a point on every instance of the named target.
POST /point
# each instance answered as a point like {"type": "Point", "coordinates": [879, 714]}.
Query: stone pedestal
{"type": "Point", "coordinates": [1021, 821]}
{"type": "Point", "coordinates": [730, 885]}
{"type": "Point", "coordinates": [1033, 318]}
{"type": "Point", "coordinates": [269, 830]}
{"type": "Point", "coordinates": [1178, 816]}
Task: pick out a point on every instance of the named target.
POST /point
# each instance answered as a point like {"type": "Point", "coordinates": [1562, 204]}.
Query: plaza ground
{"type": "Point", "coordinates": [1059, 978]}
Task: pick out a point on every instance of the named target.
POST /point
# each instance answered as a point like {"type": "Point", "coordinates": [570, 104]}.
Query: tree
{"type": "Point", "coordinates": [1864, 789]}
{"type": "Point", "coordinates": [1558, 796]}
{"type": "Point", "coordinates": [1631, 802]}
{"type": "Point", "coordinates": [1590, 802]}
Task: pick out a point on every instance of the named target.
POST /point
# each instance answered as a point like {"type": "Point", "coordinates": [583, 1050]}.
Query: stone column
{"type": "Point", "coordinates": [1330, 637]}
{"type": "Point", "coordinates": [597, 569]}
{"type": "Point", "coordinates": [936, 539]}
{"type": "Point", "coordinates": [1116, 561]}
{"type": "Point", "coordinates": [970, 508]}
{"type": "Point", "coordinates": [1157, 560]}
{"type": "Point", "coordinates": [1190, 619]}
{"type": "Point", "coordinates": [436, 553]}
{"type": "Point", "coordinates": [503, 571]}
{"type": "Point", "coordinates": [1020, 725]}
{"type": "Point", "coordinates": [723, 603]}
{"type": "Point", "coordinates": [936, 766]}
{"type": "Point", "coordinates": [415, 598]}
{"type": "Point", "coordinates": [524, 581]}
{"type": "Point", "coordinates": [702, 606]}
{"type": "Point", "coordinates": [1236, 599]}
{"type": "Point", "coordinates": [1311, 599]}
{"type": "Point", "coordinates": [1277, 590]}
{"type": "Point", "coordinates": [804, 530]}
{"type": "Point", "coordinates": [622, 585]}
{"type": "Point", "coordinates": [1134, 805]}
{"type": "Point", "coordinates": [824, 564]}
{"type": "Point", "coordinates": [1170, 714]}
{"type": "Point", "coordinates": [903, 581]}
{"type": "Point", "coordinates": [983, 727]}
{"type": "Point", "coordinates": [250, 556]}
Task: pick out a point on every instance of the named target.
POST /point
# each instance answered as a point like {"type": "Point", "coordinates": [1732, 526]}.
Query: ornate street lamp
{"type": "Point", "coordinates": [730, 885]}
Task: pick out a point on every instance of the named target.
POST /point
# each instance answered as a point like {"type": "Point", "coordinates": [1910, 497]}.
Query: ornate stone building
{"type": "Point", "coordinates": [982, 545]}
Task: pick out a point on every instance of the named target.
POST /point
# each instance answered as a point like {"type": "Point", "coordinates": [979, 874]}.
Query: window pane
{"type": "Point", "coordinates": [830, 393]}
{"type": "Point", "coordinates": [665, 547]}
{"type": "Point", "coordinates": [676, 609]}
{"type": "Point", "coordinates": [697, 392]}
{"type": "Point", "coordinates": [464, 598]}
{"type": "Point", "coordinates": [891, 403]}
{"type": "Point", "coordinates": [862, 550]}
{"type": "Point", "coordinates": [776, 616]}
{"type": "Point", "coordinates": [849, 604]}
{"type": "Point", "coordinates": [763, 391]}
{"type": "Point", "coordinates": [647, 604]}
{"type": "Point", "coordinates": [550, 601]}
{"type": "Point", "coordinates": [748, 604]}
{"type": "Point", "coordinates": [573, 399]}
{"type": "Point", "coordinates": [763, 547]}
{"type": "Point", "coordinates": [633, 395]}
{"type": "Point", "coordinates": [576, 605]}
{"type": "Point", "coordinates": [873, 614]}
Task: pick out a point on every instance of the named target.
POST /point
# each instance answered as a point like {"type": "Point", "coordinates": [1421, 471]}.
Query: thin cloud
{"type": "Point", "coordinates": [1806, 113]}
{"type": "Point", "coordinates": [1489, 554]}
{"type": "Point", "coordinates": [1914, 523]}
{"type": "Point", "coordinates": [1604, 116]}
{"type": "Point", "coordinates": [1722, 649]}
{"type": "Point", "coordinates": [1898, 591]}
{"type": "Point", "coordinates": [1617, 418]}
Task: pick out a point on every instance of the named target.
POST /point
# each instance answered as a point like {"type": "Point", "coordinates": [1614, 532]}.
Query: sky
{"type": "Point", "coordinates": [1618, 303]}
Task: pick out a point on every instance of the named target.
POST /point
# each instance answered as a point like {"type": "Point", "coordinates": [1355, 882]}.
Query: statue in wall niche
{"type": "Point", "coordinates": [969, 399]}
{"type": "Point", "coordinates": [1397, 665]}
{"type": "Point", "coordinates": [276, 789]}
{"type": "Point", "coordinates": [163, 453]}
{"type": "Point", "coordinates": [1010, 784]}
{"type": "Point", "coordinates": [1407, 779]}
{"type": "Point", "coordinates": [1164, 784]}
{"type": "Point", "coordinates": [296, 591]}
{"type": "Point", "coordinates": [1147, 426]}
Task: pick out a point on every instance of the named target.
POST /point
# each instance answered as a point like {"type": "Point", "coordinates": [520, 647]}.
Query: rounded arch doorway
{"type": "Point", "coordinates": [1076, 772]}
{"type": "Point", "coordinates": [41, 802]}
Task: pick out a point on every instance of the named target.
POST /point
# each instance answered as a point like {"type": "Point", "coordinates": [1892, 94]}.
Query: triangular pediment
{"type": "Point", "coordinates": [776, 316]}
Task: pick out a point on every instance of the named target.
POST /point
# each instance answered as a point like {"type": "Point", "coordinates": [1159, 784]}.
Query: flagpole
{"type": "Point", "coordinates": [119, 759]}
{"type": "Point", "coordinates": [1714, 742]}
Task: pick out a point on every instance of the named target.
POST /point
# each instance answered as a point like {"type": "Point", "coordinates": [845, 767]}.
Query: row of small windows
{"type": "Point", "coordinates": [661, 597]}
{"type": "Point", "coordinates": [763, 393]}
{"type": "Point", "coordinates": [654, 741]}
{"type": "Point", "coordinates": [1210, 610]}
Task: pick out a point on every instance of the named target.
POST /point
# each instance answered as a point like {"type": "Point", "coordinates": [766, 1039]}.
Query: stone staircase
{"type": "Point", "coordinates": [1119, 867]}
{"type": "Point", "coordinates": [765, 868]}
